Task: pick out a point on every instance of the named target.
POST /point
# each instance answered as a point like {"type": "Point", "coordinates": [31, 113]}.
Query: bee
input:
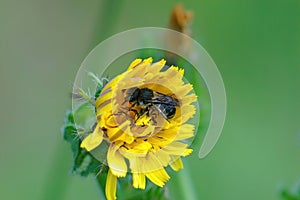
{"type": "Point", "coordinates": [146, 99]}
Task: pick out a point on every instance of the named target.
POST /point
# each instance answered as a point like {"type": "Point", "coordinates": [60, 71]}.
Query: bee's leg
{"type": "Point", "coordinates": [130, 108]}
{"type": "Point", "coordinates": [127, 116]}
{"type": "Point", "coordinates": [136, 113]}
{"type": "Point", "coordinates": [139, 114]}
{"type": "Point", "coordinates": [142, 112]}
{"type": "Point", "coordinates": [153, 115]}
{"type": "Point", "coordinates": [154, 121]}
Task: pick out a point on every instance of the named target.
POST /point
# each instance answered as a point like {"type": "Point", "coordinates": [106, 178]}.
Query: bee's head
{"type": "Point", "coordinates": [146, 94]}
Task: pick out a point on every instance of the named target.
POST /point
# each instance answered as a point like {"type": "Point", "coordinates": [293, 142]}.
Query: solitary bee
{"type": "Point", "coordinates": [146, 99]}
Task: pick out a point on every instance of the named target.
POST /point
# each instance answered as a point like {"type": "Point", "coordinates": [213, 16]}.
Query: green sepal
{"type": "Point", "coordinates": [151, 192]}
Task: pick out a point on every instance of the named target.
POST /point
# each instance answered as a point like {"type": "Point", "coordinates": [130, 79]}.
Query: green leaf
{"type": "Point", "coordinates": [83, 162]}
{"type": "Point", "coordinates": [151, 192]}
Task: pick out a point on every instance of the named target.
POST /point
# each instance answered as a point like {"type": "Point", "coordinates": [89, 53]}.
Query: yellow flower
{"type": "Point", "coordinates": [142, 136]}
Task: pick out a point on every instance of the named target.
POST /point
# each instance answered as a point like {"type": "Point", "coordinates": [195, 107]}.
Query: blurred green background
{"type": "Point", "coordinates": [256, 45]}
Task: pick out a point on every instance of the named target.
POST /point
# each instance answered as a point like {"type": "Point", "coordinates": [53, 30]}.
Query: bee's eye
{"type": "Point", "coordinates": [134, 95]}
{"type": "Point", "coordinates": [171, 112]}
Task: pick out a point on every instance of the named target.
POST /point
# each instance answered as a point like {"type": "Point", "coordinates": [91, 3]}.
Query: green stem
{"type": "Point", "coordinates": [186, 186]}
{"type": "Point", "coordinates": [101, 181]}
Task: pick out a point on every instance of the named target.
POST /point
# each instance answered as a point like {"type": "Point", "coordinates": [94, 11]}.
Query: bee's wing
{"type": "Point", "coordinates": [159, 108]}
{"type": "Point", "coordinates": [163, 99]}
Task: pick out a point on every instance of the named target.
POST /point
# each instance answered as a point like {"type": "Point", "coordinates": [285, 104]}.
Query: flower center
{"type": "Point", "coordinates": [147, 110]}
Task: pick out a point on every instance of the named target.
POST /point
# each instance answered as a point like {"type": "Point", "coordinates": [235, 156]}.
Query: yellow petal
{"type": "Point", "coordinates": [116, 161]}
{"type": "Point", "coordinates": [106, 93]}
{"type": "Point", "coordinates": [148, 60]}
{"type": "Point", "coordinates": [183, 90]}
{"type": "Point", "coordinates": [163, 157]}
{"type": "Point", "coordinates": [187, 152]}
{"type": "Point", "coordinates": [111, 186]}
{"type": "Point", "coordinates": [165, 136]}
{"type": "Point", "coordinates": [189, 99]}
{"type": "Point", "coordinates": [185, 131]}
{"type": "Point", "coordinates": [136, 74]}
{"type": "Point", "coordinates": [136, 149]}
{"type": "Point", "coordinates": [120, 133]}
{"type": "Point", "coordinates": [175, 148]}
{"type": "Point", "coordinates": [92, 140]}
{"type": "Point", "coordinates": [134, 63]}
{"type": "Point", "coordinates": [151, 163]}
{"type": "Point", "coordinates": [143, 120]}
{"type": "Point", "coordinates": [136, 164]}
{"type": "Point", "coordinates": [175, 73]}
{"type": "Point", "coordinates": [177, 164]}
{"type": "Point", "coordinates": [145, 164]}
{"type": "Point", "coordinates": [111, 122]}
{"type": "Point", "coordinates": [155, 68]}
{"type": "Point", "coordinates": [104, 97]}
{"type": "Point", "coordinates": [107, 90]}
{"type": "Point", "coordinates": [134, 77]}
{"type": "Point", "coordinates": [139, 180]}
{"type": "Point", "coordinates": [180, 70]}
{"type": "Point", "coordinates": [100, 112]}
{"type": "Point", "coordinates": [158, 177]}
{"type": "Point", "coordinates": [189, 111]}
{"type": "Point", "coordinates": [168, 134]}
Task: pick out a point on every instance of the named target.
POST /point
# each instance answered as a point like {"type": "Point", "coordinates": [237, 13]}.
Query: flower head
{"type": "Point", "coordinates": [142, 116]}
